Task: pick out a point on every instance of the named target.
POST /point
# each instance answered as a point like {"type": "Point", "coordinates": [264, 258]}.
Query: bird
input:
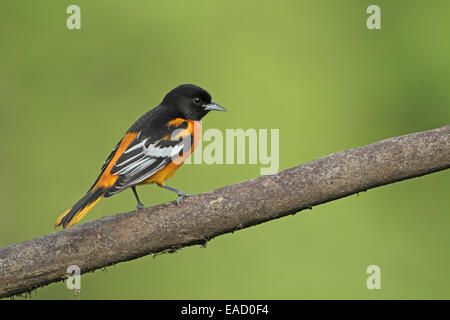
{"type": "Point", "coordinates": [152, 149]}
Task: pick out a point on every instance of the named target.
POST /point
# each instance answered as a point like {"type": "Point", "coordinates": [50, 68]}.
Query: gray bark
{"type": "Point", "coordinates": [126, 236]}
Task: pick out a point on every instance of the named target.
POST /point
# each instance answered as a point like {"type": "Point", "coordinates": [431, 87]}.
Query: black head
{"type": "Point", "coordinates": [191, 101]}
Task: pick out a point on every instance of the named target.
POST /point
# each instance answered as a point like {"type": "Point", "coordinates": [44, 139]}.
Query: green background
{"type": "Point", "coordinates": [309, 68]}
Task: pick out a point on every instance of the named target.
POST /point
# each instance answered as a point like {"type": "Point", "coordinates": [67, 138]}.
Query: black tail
{"type": "Point", "coordinates": [80, 209]}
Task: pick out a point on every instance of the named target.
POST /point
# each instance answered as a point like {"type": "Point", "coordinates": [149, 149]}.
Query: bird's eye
{"type": "Point", "coordinates": [197, 100]}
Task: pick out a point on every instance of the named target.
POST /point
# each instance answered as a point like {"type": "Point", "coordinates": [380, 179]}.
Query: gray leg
{"type": "Point", "coordinates": [139, 205]}
{"type": "Point", "coordinates": [180, 194]}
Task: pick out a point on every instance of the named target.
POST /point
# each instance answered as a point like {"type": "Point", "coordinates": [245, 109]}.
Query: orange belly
{"type": "Point", "coordinates": [162, 174]}
{"type": "Point", "coordinates": [195, 129]}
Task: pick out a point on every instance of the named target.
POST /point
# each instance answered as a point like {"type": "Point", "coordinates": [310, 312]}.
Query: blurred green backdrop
{"type": "Point", "coordinates": [310, 68]}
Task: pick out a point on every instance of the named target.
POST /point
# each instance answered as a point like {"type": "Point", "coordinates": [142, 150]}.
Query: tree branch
{"type": "Point", "coordinates": [121, 237]}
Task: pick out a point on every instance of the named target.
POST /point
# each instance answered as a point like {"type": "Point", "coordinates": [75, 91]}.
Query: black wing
{"type": "Point", "coordinates": [144, 158]}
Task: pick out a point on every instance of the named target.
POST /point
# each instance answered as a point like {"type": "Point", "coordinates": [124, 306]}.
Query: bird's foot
{"type": "Point", "coordinates": [140, 206]}
{"type": "Point", "coordinates": [181, 195]}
